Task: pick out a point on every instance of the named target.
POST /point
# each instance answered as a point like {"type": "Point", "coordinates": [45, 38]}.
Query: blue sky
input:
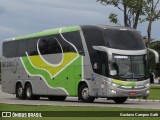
{"type": "Point", "coordinates": [21, 17]}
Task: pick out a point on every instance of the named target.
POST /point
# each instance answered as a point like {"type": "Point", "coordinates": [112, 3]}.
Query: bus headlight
{"type": "Point", "coordinates": [147, 92]}
{"type": "Point", "coordinates": [113, 91]}
{"type": "Point", "coordinates": [115, 85]}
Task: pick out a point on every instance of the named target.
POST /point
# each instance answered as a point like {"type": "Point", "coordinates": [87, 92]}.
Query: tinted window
{"type": "Point", "coordinates": [47, 45]}
{"type": "Point", "coordinates": [10, 49]}
{"type": "Point", "coordinates": [23, 45]}
{"type": "Point", "coordinates": [98, 58]}
{"type": "Point", "coordinates": [64, 43]}
{"type": "Point", "coordinates": [123, 39]}
{"type": "Point", "coordinates": [32, 47]}
{"type": "Point", "coordinates": [99, 62]}
{"type": "Point", "coordinates": [75, 39]}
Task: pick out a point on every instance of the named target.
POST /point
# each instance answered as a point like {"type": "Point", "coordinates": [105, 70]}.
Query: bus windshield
{"type": "Point", "coordinates": [128, 67]}
{"type": "Point", "coordinates": [123, 39]}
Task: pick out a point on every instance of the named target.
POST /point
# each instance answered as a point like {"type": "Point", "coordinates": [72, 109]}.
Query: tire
{"type": "Point", "coordinates": [84, 94]}
{"type": "Point", "coordinates": [28, 92]}
{"type": "Point", "coordinates": [57, 98]}
{"type": "Point", "coordinates": [20, 91]}
{"type": "Point", "coordinates": [120, 100]}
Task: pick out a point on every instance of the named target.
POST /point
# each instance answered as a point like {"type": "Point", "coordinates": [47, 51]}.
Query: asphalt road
{"type": "Point", "coordinates": [71, 101]}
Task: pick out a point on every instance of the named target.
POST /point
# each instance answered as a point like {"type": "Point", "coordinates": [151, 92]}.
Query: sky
{"type": "Point", "coordinates": [22, 17]}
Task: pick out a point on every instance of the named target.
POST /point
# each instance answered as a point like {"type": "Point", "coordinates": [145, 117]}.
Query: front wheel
{"type": "Point", "coordinates": [119, 100]}
{"type": "Point", "coordinates": [84, 94]}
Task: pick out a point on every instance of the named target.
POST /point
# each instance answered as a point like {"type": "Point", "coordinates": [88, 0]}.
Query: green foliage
{"type": "Point", "coordinates": [113, 18]}
{"type": "Point", "coordinates": [132, 10]}
{"type": "Point", "coordinates": [152, 11]}
{"type": "Point", "coordinates": [152, 66]}
{"type": "Point", "coordinates": [135, 11]}
{"type": "Point", "coordinates": [154, 93]}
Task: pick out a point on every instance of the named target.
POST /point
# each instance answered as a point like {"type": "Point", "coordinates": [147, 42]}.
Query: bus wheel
{"type": "Point", "coordinates": [120, 100]}
{"type": "Point", "coordinates": [20, 91]}
{"type": "Point", "coordinates": [57, 98]}
{"type": "Point", "coordinates": [28, 92]}
{"type": "Point", "coordinates": [84, 94]}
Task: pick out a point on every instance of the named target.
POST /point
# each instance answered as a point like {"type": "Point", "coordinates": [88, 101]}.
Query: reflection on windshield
{"type": "Point", "coordinates": [128, 66]}
{"type": "Point", "coordinates": [123, 39]}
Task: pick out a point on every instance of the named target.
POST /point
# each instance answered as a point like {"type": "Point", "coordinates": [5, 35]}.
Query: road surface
{"type": "Point", "coordinates": [71, 101]}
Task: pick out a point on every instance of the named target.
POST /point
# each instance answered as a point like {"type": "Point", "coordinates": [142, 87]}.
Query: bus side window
{"type": "Point", "coordinates": [10, 49]}
{"type": "Point", "coordinates": [100, 63]}
{"type": "Point", "coordinates": [49, 45]}
{"type": "Point", "coordinates": [23, 47]}
{"type": "Point", "coordinates": [75, 39]}
{"type": "Point", "coordinates": [94, 37]}
{"type": "Point", "coordinates": [32, 47]}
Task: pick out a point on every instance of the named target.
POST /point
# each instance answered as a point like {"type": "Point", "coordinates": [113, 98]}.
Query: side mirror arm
{"type": "Point", "coordinates": [155, 54]}
{"type": "Point", "coordinates": [102, 48]}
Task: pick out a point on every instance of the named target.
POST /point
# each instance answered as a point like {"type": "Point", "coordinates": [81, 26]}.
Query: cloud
{"type": "Point", "coordinates": [4, 30]}
{"type": "Point", "coordinates": [21, 17]}
{"type": "Point", "coordinates": [2, 10]}
{"type": "Point", "coordinates": [34, 15]}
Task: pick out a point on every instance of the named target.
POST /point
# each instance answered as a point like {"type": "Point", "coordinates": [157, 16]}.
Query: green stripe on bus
{"type": "Point", "coordinates": [124, 83]}
{"type": "Point", "coordinates": [67, 79]}
{"type": "Point", "coordinates": [50, 32]}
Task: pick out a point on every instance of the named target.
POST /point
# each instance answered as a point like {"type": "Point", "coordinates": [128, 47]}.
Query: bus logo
{"type": "Point", "coordinates": [6, 114]}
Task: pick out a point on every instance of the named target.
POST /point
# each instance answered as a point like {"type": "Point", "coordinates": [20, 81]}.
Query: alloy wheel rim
{"type": "Point", "coordinates": [20, 91]}
{"type": "Point", "coordinates": [29, 92]}
{"type": "Point", "coordinates": [85, 93]}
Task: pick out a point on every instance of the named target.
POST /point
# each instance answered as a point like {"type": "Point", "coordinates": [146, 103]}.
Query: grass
{"type": "Point", "coordinates": [6, 107]}
{"type": "Point", "coordinates": [154, 92]}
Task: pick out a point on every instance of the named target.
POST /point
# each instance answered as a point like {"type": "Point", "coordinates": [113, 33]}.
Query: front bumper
{"type": "Point", "coordinates": [140, 89]}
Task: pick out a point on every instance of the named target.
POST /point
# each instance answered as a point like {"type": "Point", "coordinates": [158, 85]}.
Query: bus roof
{"type": "Point", "coordinates": [49, 32]}
{"type": "Point", "coordinates": [68, 29]}
{"type": "Point", "coordinates": [106, 27]}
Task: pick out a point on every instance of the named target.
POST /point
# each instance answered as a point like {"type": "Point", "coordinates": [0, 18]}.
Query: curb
{"type": "Point", "coordinates": [143, 100]}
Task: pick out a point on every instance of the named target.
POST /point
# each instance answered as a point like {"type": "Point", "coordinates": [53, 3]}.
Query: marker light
{"type": "Point", "coordinates": [113, 91]}
{"type": "Point", "coordinates": [114, 85]}
{"type": "Point", "coordinates": [147, 85]}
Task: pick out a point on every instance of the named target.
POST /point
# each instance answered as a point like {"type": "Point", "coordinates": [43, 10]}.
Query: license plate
{"type": "Point", "coordinates": [132, 93]}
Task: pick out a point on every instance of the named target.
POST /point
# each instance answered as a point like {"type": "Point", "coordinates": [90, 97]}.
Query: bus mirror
{"type": "Point", "coordinates": [105, 49]}
{"type": "Point", "coordinates": [155, 54]}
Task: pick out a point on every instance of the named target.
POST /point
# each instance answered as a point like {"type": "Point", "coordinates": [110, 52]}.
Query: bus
{"type": "Point", "coordinates": [86, 61]}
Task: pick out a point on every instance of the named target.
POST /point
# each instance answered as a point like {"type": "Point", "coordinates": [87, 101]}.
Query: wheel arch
{"type": "Point", "coordinates": [17, 83]}
{"type": "Point", "coordinates": [27, 82]}
{"type": "Point", "coordinates": [81, 83]}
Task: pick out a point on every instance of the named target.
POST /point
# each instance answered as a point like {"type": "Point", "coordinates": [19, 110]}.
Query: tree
{"type": "Point", "coordinates": [152, 66]}
{"type": "Point", "coordinates": [132, 10]}
{"type": "Point", "coordinates": [152, 14]}
{"type": "Point", "coordinates": [135, 11]}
